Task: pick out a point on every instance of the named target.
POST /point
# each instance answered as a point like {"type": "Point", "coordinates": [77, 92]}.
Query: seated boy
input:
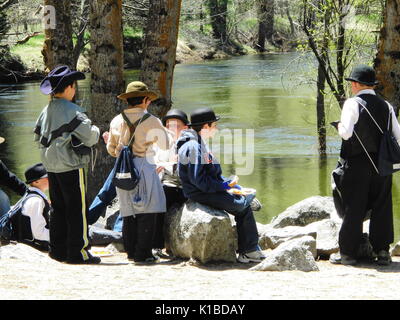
{"type": "Point", "coordinates": [166, 160]}
{"type": "Point", "coordinates": [31, 226]}
{"type": "Point", "coordinates": [202, 181]}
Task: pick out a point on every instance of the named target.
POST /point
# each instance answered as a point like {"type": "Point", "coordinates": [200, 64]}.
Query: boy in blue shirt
{"type": "Point", "coordinates": [202, 181]}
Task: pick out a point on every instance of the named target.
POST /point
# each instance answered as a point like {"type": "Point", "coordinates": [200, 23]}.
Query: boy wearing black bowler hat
{"type": "Point", "coordinates": [202, 181]}
{"type": "Point", "coordinates": [31, 226]}
{"type": "Point", "coordinates": [361, 185]}
{"type": "Point", "coordinates": [61, 122]}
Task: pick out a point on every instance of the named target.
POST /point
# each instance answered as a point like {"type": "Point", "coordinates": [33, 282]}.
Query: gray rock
{"type": "Point", "coordinates": [23, 252]}
{"type": "Point", "coordinates": [292, 255]}
{"type": "Point", "coordinates": [327, 236]}
{"type": "Point", "coordinates": [200, 232]}
{"type": "Point", "coordinates": [271, 238]}
{"type": "Point", "coordinates": [310, 210]}
{"type": "Point", "coordinates": [395, 250]}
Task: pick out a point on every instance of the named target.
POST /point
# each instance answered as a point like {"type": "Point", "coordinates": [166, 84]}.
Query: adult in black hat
{"type": "Point", "coordinates": [361, 185]}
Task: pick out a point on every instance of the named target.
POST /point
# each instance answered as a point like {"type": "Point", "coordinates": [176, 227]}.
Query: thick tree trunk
{"type": "Point", "coordinates": [266, 23]}
{"type": "Point", "coordinates": [107, 81]}
{"type": "Point", "coordinates": [58, 46]}
{"type": "Point", "coordinates": [159, 53]}
{"type": "Point", "coordinates": [387, 62]}
{"type": "Point", "coordinates": [218, 12]}
{"type": "Point", "coordinates": [321, 126]}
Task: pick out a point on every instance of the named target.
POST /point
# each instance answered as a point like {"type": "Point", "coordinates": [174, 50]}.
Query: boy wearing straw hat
{"type": "Point", "coordinates": [139, 207]}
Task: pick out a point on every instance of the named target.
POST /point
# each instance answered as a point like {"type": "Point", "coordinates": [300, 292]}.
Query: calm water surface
{"type": "Point", "coordinates": [250, 92]}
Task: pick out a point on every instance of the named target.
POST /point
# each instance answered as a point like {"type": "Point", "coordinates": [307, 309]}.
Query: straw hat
{"type": "Point", "coordinates": [138, 89]}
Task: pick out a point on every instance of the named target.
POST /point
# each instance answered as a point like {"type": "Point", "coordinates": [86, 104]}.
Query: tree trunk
{"type": "Point", "coordinates": [107, 81]}
{"type": "Point", "coordinates": [321, 126]}
{"type": "Point", "coordinates": [80, 34]}
{"type": "Point", "coordinates": [58, 46]}
{"type": "Point", "coordinates": [387, 62]}
{"type": "Point", "coordinates": [218, 12]}
{"type": "Point", "coordinates": [159, 53]}
{"type": "Point", "coordinates": [266, 23]}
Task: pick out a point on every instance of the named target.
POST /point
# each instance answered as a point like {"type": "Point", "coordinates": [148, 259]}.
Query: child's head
{"type": "Point", "coordinates": [137, 94]}
{"type": "Point", "coordinates": [36, 176]}
{"type": "Point", "coordinates": [204, 122]}
{"type": "Point", "coordinates": [66, 90]}
{"type": "Point", "coordinates": [141, 102]}
{"type": "Point", "coordinates": [61, 82]}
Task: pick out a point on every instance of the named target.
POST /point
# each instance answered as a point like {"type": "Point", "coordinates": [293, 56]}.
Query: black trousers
{"type": "Point", "coordinates": [362, 189]}
{"type": "Point", "coordinates": [173, 196]}
{"type": "Point", "coordinates": [137, 234]}
{"type": "Point", "coordinates": [68, 226]}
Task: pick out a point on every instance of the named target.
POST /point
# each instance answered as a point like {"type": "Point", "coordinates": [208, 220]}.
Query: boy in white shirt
{"type": "Point", "coordinates": [32, 225]}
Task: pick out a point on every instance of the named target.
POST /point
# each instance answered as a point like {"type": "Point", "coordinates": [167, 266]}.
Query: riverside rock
{"type": "Point", "coordinates": [307, 211]}
{"type": "Point", "coordinates": [199, 232]}
{"type": "Point", "coordinates": [271, 238]}
{"type": "Point", "coordinates": [292, 255]}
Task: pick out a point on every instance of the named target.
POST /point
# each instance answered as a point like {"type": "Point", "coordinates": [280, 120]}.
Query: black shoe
{"type": "Point", "coordinates": [91, 260]}
{"type": "Point", "coordinates": [383, 258]}
{"type": "Point", "coordinates": [337, 258]}
{"type": "Point", "coordinates": [147, 261]}
{"type": "Point", "coordinates": [57, 258]}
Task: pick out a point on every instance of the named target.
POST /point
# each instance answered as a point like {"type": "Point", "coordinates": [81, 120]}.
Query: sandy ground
{"type": "Point", "coordinates": [116, 278]}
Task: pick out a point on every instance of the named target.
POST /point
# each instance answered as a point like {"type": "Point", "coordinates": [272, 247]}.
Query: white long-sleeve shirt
{"type": "Point", "coordinates": [33, 208]}
{"type": "Point", "coordinates": [350, 114]}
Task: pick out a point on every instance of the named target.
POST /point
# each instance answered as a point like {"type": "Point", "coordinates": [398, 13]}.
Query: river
{"type": "Point", "coordinates": [268, 120]}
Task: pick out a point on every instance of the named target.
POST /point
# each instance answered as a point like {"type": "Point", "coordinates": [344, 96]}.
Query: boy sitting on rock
{"type": "Point", "coordinates": [202, 181]}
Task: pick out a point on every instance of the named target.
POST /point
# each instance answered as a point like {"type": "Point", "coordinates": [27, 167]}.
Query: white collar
{"type": "Point", "coordinates": [38, 191]}
{"type": "Point", "coordinates": [366, 91]}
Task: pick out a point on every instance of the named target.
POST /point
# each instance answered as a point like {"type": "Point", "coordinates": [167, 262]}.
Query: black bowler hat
{"type": "Point", "coordinates": [363, 74]}
{"type": "Point", "coordinates": [35, 172]}
{"type": "Point", "coordinates": [175, 114]}
{"type": "Point", "coordinates": [202, 116]}
{"type": "Point", "coordinates": [59, 76]}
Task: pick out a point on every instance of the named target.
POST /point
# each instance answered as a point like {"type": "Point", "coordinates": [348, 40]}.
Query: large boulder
{"type": "Point", "coordinates": [296, 254]}
{"type": "Point", "coordinates": [200, 232]}
{"type": "Point", "coordinates": [310, 210]}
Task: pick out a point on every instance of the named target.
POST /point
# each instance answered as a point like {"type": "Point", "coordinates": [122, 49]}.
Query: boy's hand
{"type": "Point", "coordinates": [226, 185]}
{"type": "Point", "coordinates": [106, 136]}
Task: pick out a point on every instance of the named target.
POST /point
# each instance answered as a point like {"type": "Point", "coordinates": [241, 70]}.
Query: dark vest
{"type": "Point", "coordinates": [366, 129]}
{"type": "Point", "coordinates": [22, 225]}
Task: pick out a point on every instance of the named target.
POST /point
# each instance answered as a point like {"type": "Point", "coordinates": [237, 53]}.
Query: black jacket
{"type": "Point", "coordinates": [8, 179]}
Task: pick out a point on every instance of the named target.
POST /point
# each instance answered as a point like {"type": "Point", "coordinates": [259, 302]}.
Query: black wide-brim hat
{"type": "Point", "coordinates": [202, 116]}
{"type": "Point", "coordinates": [35, 172]}
{"type": "Point", "coordinates": [364, 75]}
{"type": "Point", "coordinates": [175, 114]}
{"type": "Point", "coordinates": [59, 76]}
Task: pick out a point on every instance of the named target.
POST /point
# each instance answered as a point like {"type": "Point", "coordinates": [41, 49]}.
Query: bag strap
{"type": "Point", "coordinates": [133, 127]}
{"type": "Point", "coordinates": [364, 105]}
